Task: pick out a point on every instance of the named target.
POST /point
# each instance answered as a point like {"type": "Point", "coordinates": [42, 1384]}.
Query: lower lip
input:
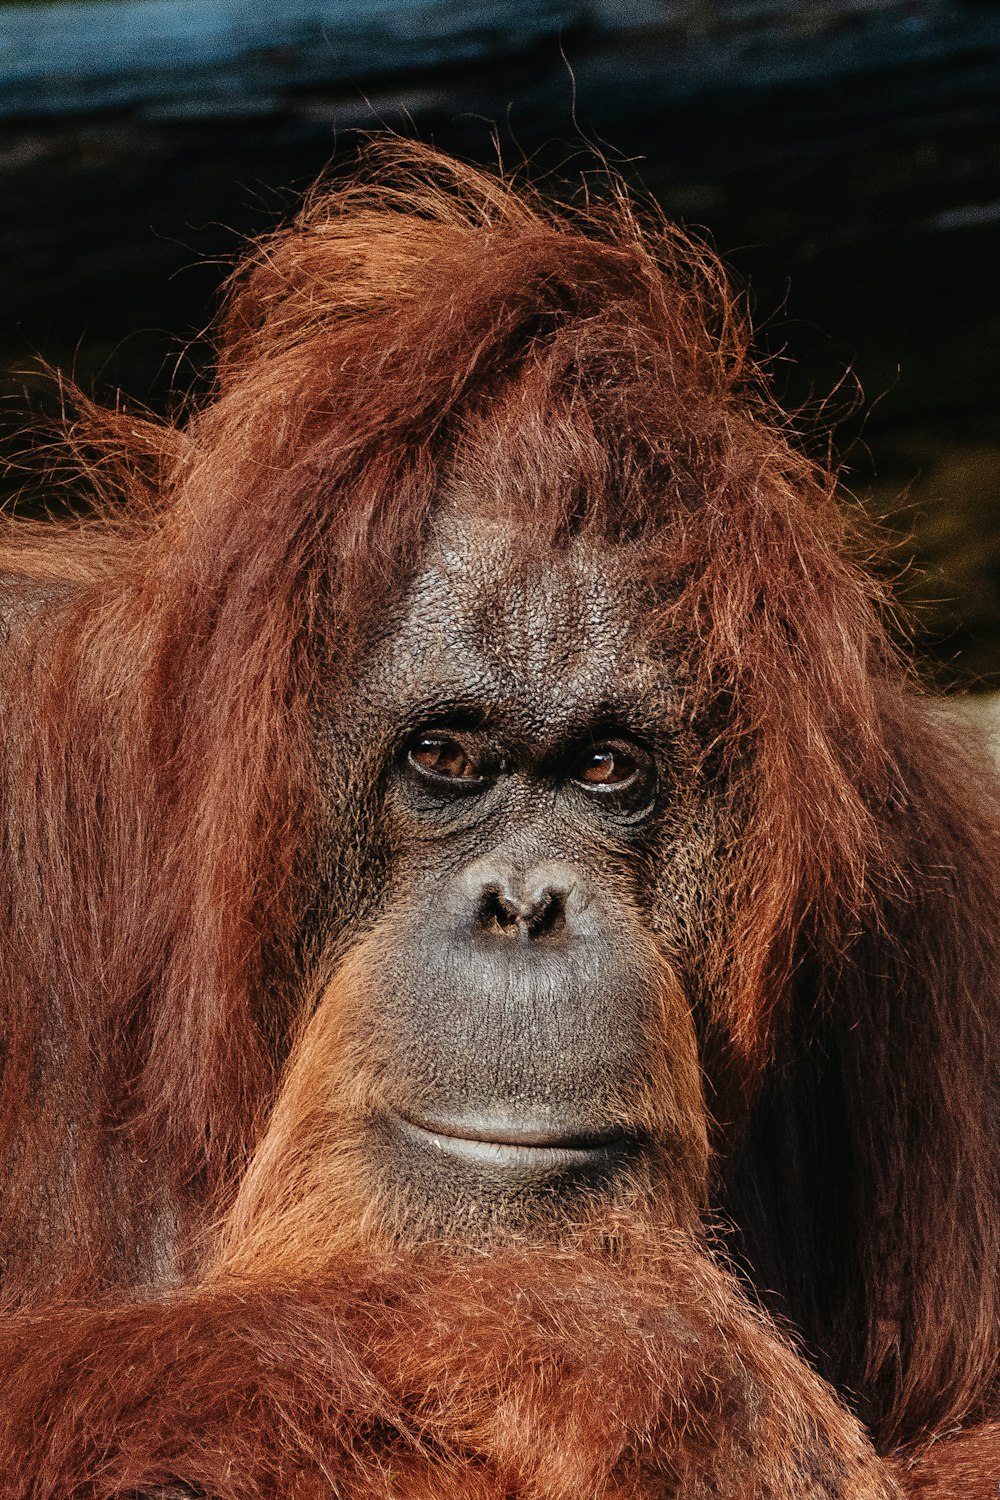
{"type": "Point", "coordinates": [514, 1156]}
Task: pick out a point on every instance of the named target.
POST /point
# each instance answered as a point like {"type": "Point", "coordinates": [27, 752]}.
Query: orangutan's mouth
{"type": "Point", "coordinates": [521, 1147]}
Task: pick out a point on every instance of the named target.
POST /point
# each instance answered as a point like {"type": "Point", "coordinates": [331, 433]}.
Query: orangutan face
{"type": "Point", "coordinates": [529, 1038]}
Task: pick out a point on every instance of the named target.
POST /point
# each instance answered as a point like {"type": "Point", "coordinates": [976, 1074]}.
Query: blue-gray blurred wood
{"type": "Point", "coordinates": [233, 57]}
{"type": "Point", "coordinates": [241, 56]}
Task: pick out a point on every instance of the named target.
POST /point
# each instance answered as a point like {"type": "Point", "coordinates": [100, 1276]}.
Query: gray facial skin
{"type": "Point", "coordinates": [523, 916]}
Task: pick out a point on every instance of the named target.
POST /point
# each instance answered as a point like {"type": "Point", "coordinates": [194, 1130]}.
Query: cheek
{"type": "Point", "coordinates": [354, 848]}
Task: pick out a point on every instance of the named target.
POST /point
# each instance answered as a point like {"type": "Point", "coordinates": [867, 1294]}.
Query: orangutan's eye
{"type": "Point", "coordinates": [614, 766]}
{"type": "Point", "coordinates": [441, 757]}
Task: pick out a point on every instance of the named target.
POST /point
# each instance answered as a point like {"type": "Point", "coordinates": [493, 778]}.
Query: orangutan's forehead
{"type": "Point", "coordinates": [555, 634]}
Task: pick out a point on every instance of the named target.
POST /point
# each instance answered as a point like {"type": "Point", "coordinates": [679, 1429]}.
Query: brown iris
{"type": "Point", "coordinates": [440, 755]}
{"type": "Point", "coordinates": [613, 766]}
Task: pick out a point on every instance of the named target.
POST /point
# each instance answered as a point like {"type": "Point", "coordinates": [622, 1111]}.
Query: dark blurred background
{"type": "Point", "coordinates": [843, 155]}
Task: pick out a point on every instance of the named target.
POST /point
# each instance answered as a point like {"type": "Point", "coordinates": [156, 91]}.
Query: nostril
{"type": "Point", "coordinates": [496, 915]}
{"type": "Point", "coordinates": [548, 916]}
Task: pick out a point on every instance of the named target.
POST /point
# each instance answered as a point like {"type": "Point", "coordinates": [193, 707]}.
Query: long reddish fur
{"type": "Point", "coordinates": [425, 328]}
